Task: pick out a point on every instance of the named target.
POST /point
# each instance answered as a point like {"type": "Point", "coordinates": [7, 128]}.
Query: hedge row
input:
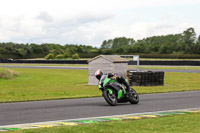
{"type": "Point", "coordinates": [161, 56]}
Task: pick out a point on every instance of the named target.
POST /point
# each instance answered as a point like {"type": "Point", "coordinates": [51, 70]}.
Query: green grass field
{"type": "Point", "coordinates": [42, 84]}
{"type": "Point", "coordinates": [188, 123]}
{"type": "Point", "coordinates": [45, 84]}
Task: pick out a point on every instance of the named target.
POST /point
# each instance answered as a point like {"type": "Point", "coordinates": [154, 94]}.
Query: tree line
{"type": "Point", "coordinates": [24, 51]}
{"type": "Point", "coordinates": [182, 43]}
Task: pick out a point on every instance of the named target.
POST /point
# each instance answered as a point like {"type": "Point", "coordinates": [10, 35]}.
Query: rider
{"type": "Point", "coordinates": [119, 79]}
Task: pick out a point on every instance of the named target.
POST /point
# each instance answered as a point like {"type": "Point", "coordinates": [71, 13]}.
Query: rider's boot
{"type": "Point", "coordinates": [123, 81]}
{"type": "Point", "coordinates": [127, 86]}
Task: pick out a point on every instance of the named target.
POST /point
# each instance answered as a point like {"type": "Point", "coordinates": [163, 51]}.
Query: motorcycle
{"type": "Point", "coordinates": [114, 92]}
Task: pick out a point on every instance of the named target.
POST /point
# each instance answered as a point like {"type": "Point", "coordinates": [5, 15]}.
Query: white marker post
{"type": "Point", "coordinates": [137, 58]}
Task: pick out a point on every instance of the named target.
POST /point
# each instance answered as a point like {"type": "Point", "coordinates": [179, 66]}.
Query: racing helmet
{"type": "Point", "coordinates": [98, 74]}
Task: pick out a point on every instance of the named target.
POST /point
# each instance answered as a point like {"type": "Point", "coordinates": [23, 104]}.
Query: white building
{"type": "Point", "coordinates": [107, 64]}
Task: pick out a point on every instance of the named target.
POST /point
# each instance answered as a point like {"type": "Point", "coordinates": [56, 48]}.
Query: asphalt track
{"type": "Point", "coordinates": [41, 111]}
{"type": "Point", "coordinates": [86, 68]}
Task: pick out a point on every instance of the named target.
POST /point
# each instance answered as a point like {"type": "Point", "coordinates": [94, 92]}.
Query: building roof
{"type": "Point", "coordinates": [111, 58]}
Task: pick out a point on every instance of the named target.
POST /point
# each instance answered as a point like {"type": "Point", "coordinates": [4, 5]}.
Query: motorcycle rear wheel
{"type": "Point", "coordinates": [111, 99]}
{"type": "Point", "coordinates": [133, 97]}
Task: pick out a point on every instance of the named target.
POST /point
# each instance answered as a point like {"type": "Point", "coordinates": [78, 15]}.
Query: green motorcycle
{"type": "Point", "coordinates": [114, 92]}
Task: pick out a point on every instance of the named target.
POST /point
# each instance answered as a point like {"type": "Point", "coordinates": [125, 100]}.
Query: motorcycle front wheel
{"type": "Point", "coordinates": [110, 98]}
{"type": "Point", "coordinates": [133, 97]}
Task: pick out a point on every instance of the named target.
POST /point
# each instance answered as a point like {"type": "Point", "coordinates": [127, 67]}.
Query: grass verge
{"type": "Point", "coordinates": [187, 123]}
{"type": "Point", "coordinates": [45, 84]}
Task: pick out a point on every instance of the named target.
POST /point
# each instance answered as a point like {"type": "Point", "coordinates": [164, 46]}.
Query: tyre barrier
{"type": "Point", "coordinates": [167, 62]}
{"type": "Point", "coordinates": [142, 62]}
{"type": "Point", "coordinates": [149, 78]}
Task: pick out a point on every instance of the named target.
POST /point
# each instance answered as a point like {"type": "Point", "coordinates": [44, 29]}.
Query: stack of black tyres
{"type": "Point", "coordinates": [149, 78]}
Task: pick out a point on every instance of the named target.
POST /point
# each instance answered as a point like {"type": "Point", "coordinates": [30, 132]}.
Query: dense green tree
{"type": "Point", "coordinates": [107, 51]}
{"type": "Point", "coordinates": [117, 42]}
{"type": "Point", "coordinates": [189, 36]}
{"type": "Point", "coordinates": [60, 56]}
{"type": "Point", "coordinates": [107, 44]}
{"type": "Point", "coordinates": [196, 48]}
{"type": "Point", "coordinates": [22, 52]}
{"type": "Point", "coordinates": [50, 56]}
{"type": "Point", "coordinates": [75, 56]}
{"type": "Point", "coordinates": [66, 55]}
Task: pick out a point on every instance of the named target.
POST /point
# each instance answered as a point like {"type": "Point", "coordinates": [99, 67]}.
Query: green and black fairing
{"type": "Point", "coordinates": [111, 85]}
{"type": "Point", "coordinates": [114, 91]}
